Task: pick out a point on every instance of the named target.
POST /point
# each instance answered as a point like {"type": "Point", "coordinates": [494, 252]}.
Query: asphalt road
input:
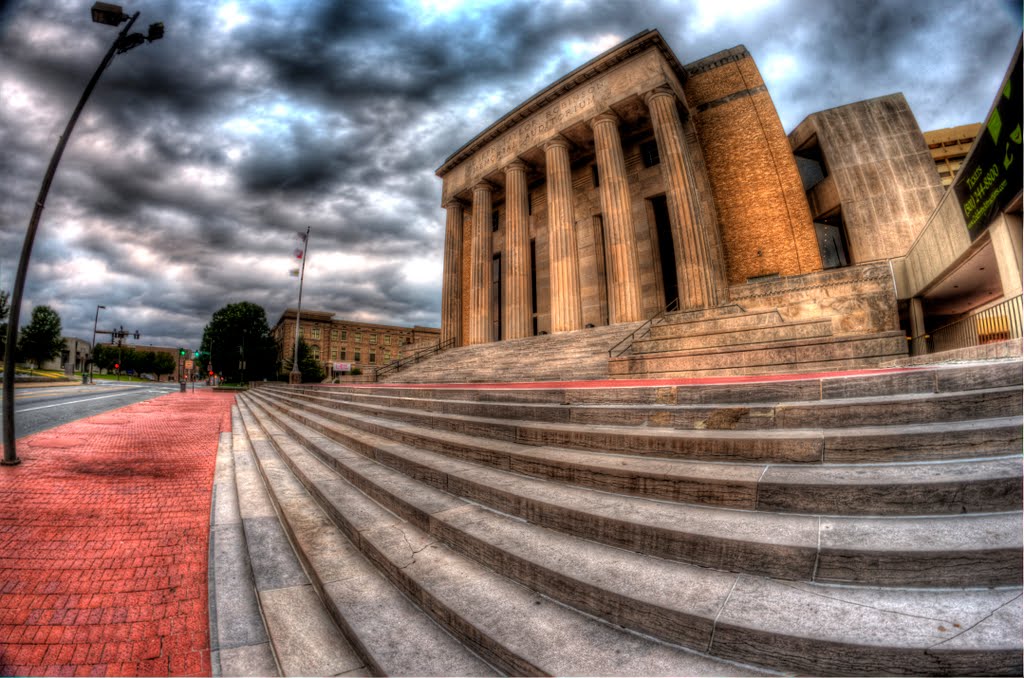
{"type": "Point", "coordinates": [41, 408]}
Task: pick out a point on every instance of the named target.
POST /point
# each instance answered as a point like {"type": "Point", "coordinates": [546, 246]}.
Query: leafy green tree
{"type": "Point", "coordinates": [236, 333]}
{"type": "Point", "coordinates": [5, 309]}
{"type": "Point", "coordinates": [312, 372]}
{"type": "Point", "coordinates": [41, 339]}
{"type": "Point", "coordinates": [164, 363]}
{"type": "Point", "coordinates": [104, 356]}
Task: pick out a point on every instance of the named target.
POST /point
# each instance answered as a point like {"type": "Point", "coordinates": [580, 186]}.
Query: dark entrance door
{"type": "Point", "coordinates": [666, 251]}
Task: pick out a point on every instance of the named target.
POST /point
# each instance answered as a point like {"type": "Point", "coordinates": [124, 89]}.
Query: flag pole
{"type": "Point", "coordinates": [295, 376]}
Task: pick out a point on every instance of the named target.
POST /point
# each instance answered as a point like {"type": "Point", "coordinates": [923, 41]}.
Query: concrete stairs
{"type": "Point", "coordinates": [729, 341]}
{"type": "Point", "coordinates": [552, 357]}
{"type": "Point", "coordinates": [857, 525]}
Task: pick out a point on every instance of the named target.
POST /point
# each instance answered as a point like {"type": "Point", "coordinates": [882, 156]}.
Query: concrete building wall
{"type": "Point", "coordinates": [881, 173]}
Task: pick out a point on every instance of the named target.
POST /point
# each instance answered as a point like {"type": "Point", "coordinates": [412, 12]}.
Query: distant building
{"type": "Point", "coordinates": [334, 341]}
{"type": "Point", "coordinates": [949, 147]}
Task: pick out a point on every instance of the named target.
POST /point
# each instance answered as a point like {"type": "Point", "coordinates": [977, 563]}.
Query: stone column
{"type": "Point", "coordinates": [695, 270]}
{"type": "Point", "coordinates": [518, 313]}
{"type": "Point", "coordinates": [480, 267]}
{"type": "Point", "coordinates": [451, 291]}
{"type": "Point", "coordinates": [566, 309]}
{"type": "Point", "coordinates": [619, 235]}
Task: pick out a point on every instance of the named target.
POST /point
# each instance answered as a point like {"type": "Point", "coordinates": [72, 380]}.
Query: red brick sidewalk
{"type": "Point", "coordinates": [103, 542]}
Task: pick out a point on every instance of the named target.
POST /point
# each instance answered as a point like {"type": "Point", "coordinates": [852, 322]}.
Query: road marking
{"type": "Point", "coordinates": [75, 402]}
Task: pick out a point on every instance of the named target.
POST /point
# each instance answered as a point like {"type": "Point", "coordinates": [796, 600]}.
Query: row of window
{"type": "Point", "coordinates": [357, 356]}
{"type": "Point", "coordinates": [357, 337]}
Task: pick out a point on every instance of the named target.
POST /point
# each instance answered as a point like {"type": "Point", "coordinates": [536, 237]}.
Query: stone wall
{"type": "Point", "coordinates": [858, 299]}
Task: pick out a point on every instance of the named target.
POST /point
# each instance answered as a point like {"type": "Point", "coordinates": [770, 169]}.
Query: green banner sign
{"type": "Point", "coordinates": [991, 175]}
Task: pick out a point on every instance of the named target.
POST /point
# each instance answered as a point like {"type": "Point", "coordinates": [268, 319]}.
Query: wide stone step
{"type": "Point", "coordinates": [691, 338]}
{"type": "Point", "coordinates": [860, 444]}
{"type": "Point", "coordinates": [676, 325]}
{"type": "Point", "coordinates": [959, 486]}
{"type": "Point", "coordinates": [304, 637]}
{"type": "Point", "coordinates": [239, 645]}
{"type": "Point", "coordinates": [516, 629]}
{"type": "Point", "coordinates": [846, 352]}
{"type": "Point", "coordinates": [892, 551]}
{"type": "Point", "coordinates": [835, 413]}
{"type": "Point", "coordinates": [791, 627]}
{"type": "Point", "coordinates": [391, 634]}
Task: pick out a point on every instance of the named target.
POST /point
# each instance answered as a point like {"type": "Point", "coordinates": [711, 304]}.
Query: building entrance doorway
{"type": "Point", "coordinates": [666, 250]}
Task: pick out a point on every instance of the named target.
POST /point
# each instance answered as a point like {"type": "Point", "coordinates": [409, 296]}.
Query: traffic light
{"type": "Point", "coordinates": [181, 352]}
{"type": "Point", "coordinates": [117, 366]}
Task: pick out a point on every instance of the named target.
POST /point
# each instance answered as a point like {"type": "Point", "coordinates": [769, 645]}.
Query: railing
{"type": "Point", "coordinates": [997, 323]}
{"type": "Point", "coordinates": [397, 365]}
{"type": "Point", "coordinates": [642, 330]}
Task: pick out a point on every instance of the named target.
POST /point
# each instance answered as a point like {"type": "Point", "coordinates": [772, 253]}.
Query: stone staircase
{"type": "Point", "coordinates": [551, 357]}
{"type": "Point", "coordinates": [854, 525]}
{"type": "Point", "coordinates": [730, 341]}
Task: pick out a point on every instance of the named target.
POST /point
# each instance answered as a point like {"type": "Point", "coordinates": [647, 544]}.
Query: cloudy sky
{"type": "Point", "coordinates": [199, 156]}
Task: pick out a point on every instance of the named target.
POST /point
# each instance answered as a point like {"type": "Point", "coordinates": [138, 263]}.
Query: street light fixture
{"type": "Point", "coordinates": [92, 354]}
{"type": "Point", "coordinates": [111, 15]}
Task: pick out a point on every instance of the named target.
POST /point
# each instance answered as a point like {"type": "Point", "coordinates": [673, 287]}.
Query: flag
{"type": "Point", "coordinates": [298, 253]}
{"type": "Point", "coordinates": [294, 273]}
{"type": "Point", "coordinates": [300, 235]}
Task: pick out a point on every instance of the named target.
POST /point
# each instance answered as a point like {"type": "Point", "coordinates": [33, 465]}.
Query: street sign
{"type": "Point", "coordinates": [188, 364]}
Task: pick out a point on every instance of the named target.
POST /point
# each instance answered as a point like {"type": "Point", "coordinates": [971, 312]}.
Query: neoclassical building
{"type": "Point", "coordinates": [629, 183]}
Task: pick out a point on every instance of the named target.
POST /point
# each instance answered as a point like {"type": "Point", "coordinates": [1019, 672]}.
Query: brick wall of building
{"type": "Point", "coordinates": [765, 223]}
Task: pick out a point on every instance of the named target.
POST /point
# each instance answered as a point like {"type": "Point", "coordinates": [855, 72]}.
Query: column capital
{"type": "Point", "coordinates": [483, 186]}
{"type": "Point", "coordinates": [452, 203]}
{"type": "Point", "coordinates": [662, 91]}
{"type": "Point", "coordinates": [607, 116]}
{"type": "Point", "coordinates": [555, 141]}
{"type": "Point", "coordinates": [516, 165]}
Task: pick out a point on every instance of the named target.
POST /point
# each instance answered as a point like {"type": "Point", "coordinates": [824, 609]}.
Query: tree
{"type": "Point", "coordinates": [239, 333]}
{"type": "Point", "coordinates": [164, 363]}
{"type": "Point", "coordinates": [312, 372]}
{"type": "Point", "coordinates": [41, 339]}
{"type": "Point", "coordinates": [5, 309]}
{"type": "Point", "coordinates": [104, 356]}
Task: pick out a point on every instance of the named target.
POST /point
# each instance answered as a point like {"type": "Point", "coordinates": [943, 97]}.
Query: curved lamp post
{"type": "Point", "coordinates": [102, 13]}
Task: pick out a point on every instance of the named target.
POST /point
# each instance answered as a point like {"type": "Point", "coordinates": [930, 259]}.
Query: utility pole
{"type": "Point", "coordinates": [104, 13]}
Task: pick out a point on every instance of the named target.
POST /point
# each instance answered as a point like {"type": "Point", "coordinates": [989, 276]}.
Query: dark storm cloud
{"type": "Point", "coordinates": [199, 156]}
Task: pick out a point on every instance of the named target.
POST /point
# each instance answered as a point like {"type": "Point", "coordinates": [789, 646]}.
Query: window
{"type": "Point", "coordinates": [373, 358]}
{"type": "Point", "coordinates": [357, 357]}
{"type": "Point", "coordinates": [316, 332]}
{"type": "Point", "coordinates": [495, 220]}
{"type": "Point", "coordinates": [387, 355]}
{"type": "Point", "coordinates": [373, 338]}
{"type": "Point", "coordinates": [343, 354]}
{"type": "Point", "coordinates": [316, 352]}
{"type": "Point", "coordinates": [649, 153]}
{"type": "Point", "coordinates": [496, 297]}
{"type": "Point", "coordinates": [387, 339]}
{"type": "Point", "coordinates": [302, 333]}
{"type": "Point", "coordinates": [358, 337]}
{"type": "Point", "coordinates": [334, 356]}
{"type": "Point", "coordinates": [334, 335]}
{"type": "Point", "coordinates": [344, 335]}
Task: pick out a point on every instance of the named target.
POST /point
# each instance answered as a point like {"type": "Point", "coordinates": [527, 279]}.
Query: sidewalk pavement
{"type": "Point", "coordinates": [104, 531]}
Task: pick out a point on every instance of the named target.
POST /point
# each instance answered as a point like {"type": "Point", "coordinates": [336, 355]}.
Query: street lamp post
{"type": "Point", "coordinates": [92, 354]}
{"type": "Point", "coordinates": [103, 13]}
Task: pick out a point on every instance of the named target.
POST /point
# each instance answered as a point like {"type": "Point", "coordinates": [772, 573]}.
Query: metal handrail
{"type": "Point", "coordinates": [397, 365]}
{"type": "Point", "coordinates": [631, 337]}
{"type": "Point", "coordinates": [996, 323]}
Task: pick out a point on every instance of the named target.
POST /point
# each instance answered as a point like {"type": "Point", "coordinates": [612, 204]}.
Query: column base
{"type": "Point", "coordinates": [295, 377]}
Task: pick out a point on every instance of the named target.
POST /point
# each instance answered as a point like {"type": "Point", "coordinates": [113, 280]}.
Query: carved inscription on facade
{"type": "Point", "coordinates": [535, 129]}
